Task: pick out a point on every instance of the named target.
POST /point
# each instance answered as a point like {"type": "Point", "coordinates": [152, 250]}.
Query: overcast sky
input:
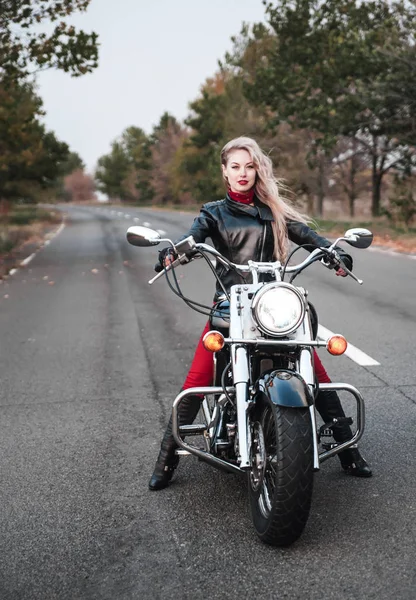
{"type": "Point", "coordinates": [154, 57]}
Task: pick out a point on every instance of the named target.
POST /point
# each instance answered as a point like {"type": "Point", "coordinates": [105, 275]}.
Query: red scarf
{"type": "Point", "coordinates": [246, 198]}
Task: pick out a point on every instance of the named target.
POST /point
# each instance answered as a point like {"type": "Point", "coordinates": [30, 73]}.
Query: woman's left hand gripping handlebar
{"type": "Point", "coordinates": [347, 260]}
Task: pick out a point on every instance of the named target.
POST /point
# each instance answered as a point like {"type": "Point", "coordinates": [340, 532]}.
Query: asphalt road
{"type": "Point", "coordinates": [91, 358]}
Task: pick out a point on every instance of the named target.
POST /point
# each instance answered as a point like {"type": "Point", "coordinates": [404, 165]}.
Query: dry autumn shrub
{"type": "Point", "coordinates": [79, 187]}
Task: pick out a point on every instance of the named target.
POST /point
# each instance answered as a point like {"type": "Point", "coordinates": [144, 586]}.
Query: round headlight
{"type": "Point", "coordinates": [278, 309]}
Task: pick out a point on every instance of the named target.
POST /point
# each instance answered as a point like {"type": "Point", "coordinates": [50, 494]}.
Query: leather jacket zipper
{"type": "Point", "coordinates": [262, 243]}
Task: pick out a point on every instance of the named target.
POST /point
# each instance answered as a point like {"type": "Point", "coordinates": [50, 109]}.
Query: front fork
{"type": "Point", "coordinates": [241, 377]}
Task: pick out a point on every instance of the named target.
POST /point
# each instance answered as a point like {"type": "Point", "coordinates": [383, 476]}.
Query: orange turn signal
{"type": "Point", "coordinates": [213, 341]}
{"type": "Point", "coordinates": [336, 345]}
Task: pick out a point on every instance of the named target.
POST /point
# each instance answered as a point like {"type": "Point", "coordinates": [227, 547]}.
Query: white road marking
{"type": "Point", "coordinates": [27, 260]}
{"type": "Point", "coordinates": [136, 220]}
{"type": "Point", "coordinates": [58, 231]}
{"type": "Point", "coordinates": [355, 354]}
{"type": "Point", "coordinates": [146, 224]}
{"type": "Point", "coordinates": [161, 232]}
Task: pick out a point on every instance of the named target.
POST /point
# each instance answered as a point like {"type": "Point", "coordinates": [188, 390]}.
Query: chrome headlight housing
{"type": "Point", "coordinates": [278, 309]}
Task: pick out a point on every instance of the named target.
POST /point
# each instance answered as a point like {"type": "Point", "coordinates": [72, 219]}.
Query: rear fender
{"type": "Point", "coordinates": [284, 388]}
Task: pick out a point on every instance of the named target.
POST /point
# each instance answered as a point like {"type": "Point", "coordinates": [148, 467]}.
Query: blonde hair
{"type": "Point", "coordinates": [266, 189]}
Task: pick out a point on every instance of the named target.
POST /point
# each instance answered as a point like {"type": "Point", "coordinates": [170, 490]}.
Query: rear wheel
{"type": "Point", "coordinates": [281, 479]}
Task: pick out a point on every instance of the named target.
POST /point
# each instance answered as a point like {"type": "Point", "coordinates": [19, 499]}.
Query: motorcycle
{"type": "Point", "coordinates": [259, 418]}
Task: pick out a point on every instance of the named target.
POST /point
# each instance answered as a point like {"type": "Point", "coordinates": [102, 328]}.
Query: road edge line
{"type": "Point", "coordinates": [46, 242]}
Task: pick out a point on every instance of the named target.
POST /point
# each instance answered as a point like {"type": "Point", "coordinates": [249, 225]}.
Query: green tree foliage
{"type": "Point", "coordinates": [31, 159]}
{"type": "Point", "coordinates": [73, 163]}
{"type": "Point", "coordinates": [24, 46]}
{"type": "Point", "coordinates": [124, 173]}
{"type": "Point", "coordinates": [330, 68]}
{"type": "Point", "coordinates": [112, 171]}
{"type": "Point", "coordinates": [207, 133]}
{"type": "Point", "coordinates": [220, 113]}
{"type": "Point", "coordinates": [138, 149]}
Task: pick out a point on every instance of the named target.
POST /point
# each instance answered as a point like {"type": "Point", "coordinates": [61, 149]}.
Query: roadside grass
{"type": "Point", "coordinates": [21, 226]}
{"type": "Point", "coordinates": [385, 233]}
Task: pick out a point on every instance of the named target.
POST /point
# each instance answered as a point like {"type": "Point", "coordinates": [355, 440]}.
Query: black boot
{"type": "Point", "coordinates": [329, 407]}
{"type": "Point", "coordinates": [167, 461]}
{"type": "Point", "coordinates": [354, 463]}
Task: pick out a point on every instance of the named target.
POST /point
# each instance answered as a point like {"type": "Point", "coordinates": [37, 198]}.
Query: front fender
{"type": "Point", "coordinates": [285, 388]}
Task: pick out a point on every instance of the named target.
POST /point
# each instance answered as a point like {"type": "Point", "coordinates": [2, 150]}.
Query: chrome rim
{"type": "Point", "coordinates": [258, 461]}
{"type": "Point", "coordinates": [268, 484]}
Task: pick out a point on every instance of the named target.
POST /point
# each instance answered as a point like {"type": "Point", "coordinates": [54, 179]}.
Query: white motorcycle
{"type": "Point", "coordinates": [259, 417]}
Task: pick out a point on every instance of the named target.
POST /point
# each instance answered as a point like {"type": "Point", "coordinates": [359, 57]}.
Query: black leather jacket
{"type": "Point", "coordinates": [242, 233]}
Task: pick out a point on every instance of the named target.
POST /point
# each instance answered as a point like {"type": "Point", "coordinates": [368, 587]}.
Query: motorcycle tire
{"type": "Point", "coordinates": [281, 493]}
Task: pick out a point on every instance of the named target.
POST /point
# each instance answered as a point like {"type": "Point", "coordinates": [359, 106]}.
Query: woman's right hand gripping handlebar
{"type": "Point", "coordinates": [166, 257]}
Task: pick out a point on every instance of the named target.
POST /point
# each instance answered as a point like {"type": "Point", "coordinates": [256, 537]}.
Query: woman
{"type": "Point", "coordinates": [252, 222]}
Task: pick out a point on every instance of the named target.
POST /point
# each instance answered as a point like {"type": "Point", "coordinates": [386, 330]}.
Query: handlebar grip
{"type": "Point", "coordinates": [162, 271]}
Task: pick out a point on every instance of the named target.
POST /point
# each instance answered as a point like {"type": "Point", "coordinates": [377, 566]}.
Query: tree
{"type": "Point", "coordinates": [137, 146]}
{"type": "Point", "coordinates": [73, 163]}
{"type": "Point", "coordinates": [167, 137]}
{"type": "Point", "coordinates": [327, 69]}
{"type": "Point", "coordinates": [112, 171]}
{"type": "Point", "coordinates": [124, 173]}
{"type": "Point", "coordinates": [31, 159]}
{"type": "Point", "coordinates": [24, 46]}
{"type": "Point", "coordinates": [219, 113]}
{"type": "Point", "coordinates": [351, 170]}
{"type": "Point", "coordinates": [298, 158]}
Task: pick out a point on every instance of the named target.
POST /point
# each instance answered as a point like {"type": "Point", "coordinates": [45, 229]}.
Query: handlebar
{"type": "Point", "coordinates": [181, 260]}
{"type": "Point", "coordinates": [328, 256]}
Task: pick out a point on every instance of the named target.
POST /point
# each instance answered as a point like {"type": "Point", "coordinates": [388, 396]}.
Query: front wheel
{"type": "Point", "coordinates": [281, 479]}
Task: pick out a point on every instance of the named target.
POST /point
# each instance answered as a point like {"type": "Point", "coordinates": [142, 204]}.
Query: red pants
{"type": "Point", "coordinates": [201, 372]}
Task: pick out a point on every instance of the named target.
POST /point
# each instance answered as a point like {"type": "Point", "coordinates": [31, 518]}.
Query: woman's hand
{"type": "Point", "coordinates": [169, 258]}
{"type": "Point", "coordinates": [166, 257]}
{"type": "Point", "coordinates": [347, 261]}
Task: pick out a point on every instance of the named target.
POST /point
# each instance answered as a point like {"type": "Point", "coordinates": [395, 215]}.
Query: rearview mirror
{"type": "Point", "coordinates": [359, 237]}
{"type": "Point", "coordinates": [142, 236]}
